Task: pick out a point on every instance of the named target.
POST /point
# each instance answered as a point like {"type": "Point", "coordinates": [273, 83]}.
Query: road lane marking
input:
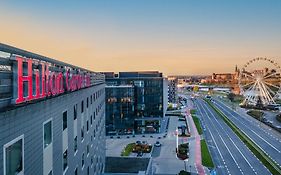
{"type": "Point", "coordinates": [221, 109]}
{"type": "Point", "coordinates": [218, 149]}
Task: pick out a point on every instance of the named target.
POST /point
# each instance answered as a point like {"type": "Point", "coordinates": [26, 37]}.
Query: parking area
{"type": "Point", "coordinates": [115, 144]}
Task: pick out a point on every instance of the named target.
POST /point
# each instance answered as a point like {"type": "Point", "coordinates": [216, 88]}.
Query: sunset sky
{"type": "Point", "coordinates": [172, 36]}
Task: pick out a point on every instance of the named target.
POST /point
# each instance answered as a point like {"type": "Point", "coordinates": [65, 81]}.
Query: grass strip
{"type": "Point", "coordinates": [197, 124]}
{"type": "Point", "coordinates": [128, 149]}
{"type": "Point", "coordinates": [205, 154]}
{"type": "Point", "coordinates": [259, 153]}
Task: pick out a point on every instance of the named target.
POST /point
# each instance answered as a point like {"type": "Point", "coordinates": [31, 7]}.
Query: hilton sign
{"type": "Point", "coordinates": [35, 79]}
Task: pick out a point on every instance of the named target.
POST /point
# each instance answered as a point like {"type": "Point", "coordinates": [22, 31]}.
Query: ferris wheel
{"type": "Point", "coordinates": [260, 86]}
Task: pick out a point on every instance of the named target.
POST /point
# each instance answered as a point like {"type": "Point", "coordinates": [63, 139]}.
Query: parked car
{"type": "Point", "coordinates": [139, 154]}
{"type": "Point", "coordinates": [278, 127]}
{"type": "Point", "coordinates": [157, 144]}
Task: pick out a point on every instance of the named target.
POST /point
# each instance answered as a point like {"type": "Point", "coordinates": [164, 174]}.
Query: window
{"type": "Point", "coordinates": [47, 134]}
{"type": "Point", "coordinates": [88, 171]}
{"type": "Point", "coordinates": [87, 102]}
{"type": "Point", "coordinates": [87, 125]}
{"type": "Point", "coordinates": [76, 171]}
{"type": "Point", "coordinates": [75, 112]}
{"type": "Point", "coordinates": [75, 144]}
{"type": "Point", "coordinates": [14, 157]}
{"type": "Point", "coordinates": [65, 160]}
{"type": "Point", "coordinates": [91, 99]}
{"type": "Point", "coordinates": [83, 157]}
{"type": "Point", "coordinates": [64, 120]}
{"type": "Point", "coordinates": [94, 116]}
{"type": "Point", "coordinates": [82, 106]}
{"type": "Point", "coordinates": [88, 149]}
{"type": "Point", "coordinates": [92, 160]}
{"type": "Point", "coordinates": [91, 120]}
{"type": "Point", "coordinates": [82, 133]}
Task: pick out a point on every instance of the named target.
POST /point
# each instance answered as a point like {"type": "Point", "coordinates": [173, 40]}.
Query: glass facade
{"type": "Point", "coordinates": [144, 108]}
{"type": "Point", "coordinates": [119, 109]}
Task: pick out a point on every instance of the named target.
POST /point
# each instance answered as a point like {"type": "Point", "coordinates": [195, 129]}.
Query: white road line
{"type": "Point", "coordinates": [234, 143]}
{"type": "Point", "coordinates": [248, 128]}
{"type": "Point", "coordinates": [246, 119]}
{"type": "Point", "coordinates": [231, 155]}
{"type": "Point", "coordinates": [215, 142]}
{"type": "Point", "coordinates": [243, 156]}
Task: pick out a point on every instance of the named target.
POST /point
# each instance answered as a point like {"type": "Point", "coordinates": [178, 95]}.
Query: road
{"type": "Point", "coordinates": [229, 153]}
{"type": "Point", "coordinates": [264, 139]}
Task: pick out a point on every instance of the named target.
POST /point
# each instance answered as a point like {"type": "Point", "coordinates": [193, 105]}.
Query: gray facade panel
{"type": "Point", "coordinates": [29, 119]}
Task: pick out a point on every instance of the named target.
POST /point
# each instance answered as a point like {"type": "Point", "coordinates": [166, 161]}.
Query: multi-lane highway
{"type": "Point", "coordinates": [229, 153]}
{"type": "Point", "coordinates": [266, 141]}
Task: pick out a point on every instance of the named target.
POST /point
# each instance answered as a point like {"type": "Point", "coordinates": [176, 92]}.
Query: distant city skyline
{"type": "Point", "coordinates": [175, 37]}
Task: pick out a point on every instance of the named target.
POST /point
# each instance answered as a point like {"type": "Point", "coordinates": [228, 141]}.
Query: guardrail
{"type": "Point", "coordinates": [261, 155]}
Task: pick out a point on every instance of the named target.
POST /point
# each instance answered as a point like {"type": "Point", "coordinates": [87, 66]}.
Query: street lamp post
{"type": "Point", "coordinates": [177, 138]}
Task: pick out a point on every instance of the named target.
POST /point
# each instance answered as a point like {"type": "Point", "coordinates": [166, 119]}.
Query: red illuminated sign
{"type": "Point", "coordinates": [40, 82]}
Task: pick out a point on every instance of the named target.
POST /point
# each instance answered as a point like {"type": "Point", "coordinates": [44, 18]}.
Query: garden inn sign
{"type": "Point", "coordinates": [36, 79]}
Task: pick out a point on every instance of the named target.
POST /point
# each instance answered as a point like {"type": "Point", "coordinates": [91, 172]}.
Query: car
{"type": "Point", "coordinates": [151, 136]}
{"type": "Point", "coordinates": [144, 142]}
{"type": "Point", "coordinates": [128, 137]}
{"type": "Point", "coordinates": [159, 137]}
{"type": "Point", "coordinates": [139, 154]}
{"type": "Point", "coordinates": [278, 127]}
{"type": "Point", "coordinates": [143, 135]}
{"type": "Point", "coordinates": [157, 144]}
{"type": "Point", "coordinates": [164, 136]}
{"type": "Point", "coordinates": [208, 97]}
{"type": "Point", "coordinates": [133, 136]}
{"type": "Point", "coordinates": [111, 137]}
{"type": "Point", "coordinates": [118, 137]}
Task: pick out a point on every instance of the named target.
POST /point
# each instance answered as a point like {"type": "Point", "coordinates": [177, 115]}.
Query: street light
{"type": "Point", "coordinates": [177, 140]}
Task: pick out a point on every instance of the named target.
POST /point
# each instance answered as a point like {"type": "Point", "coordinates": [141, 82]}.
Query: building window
{"type": "Point", "coordinates": [88, 171]}
{"type": "Point", "coordinates": [75, 144]}
{"type": "Point", "coordinates": [91, 99]}
{"type": "Point", "coordinates": [65, 160]}
{"type": "Point", "coordinates": [14, 157]}
{"type": "Point", "coordinates": [88, 150]}
{"type": "Point", "coordinates": [47, 133]}
{"type": "Point", "coordinates": [64, 120]}
{"type": "Point", "coordinates": [82, 106]}
{"type": "Point", "coordinates": [94, 116]}
{"type": "Point", "coordinates": [92, 160]}
{"type": "Point", "coordinates": [87, 125]}
{"type": "Point", "coordinates": [83, 157]}
{"type": "Point", "coordinates": [75, 112]}
{"type": "Point", "coordinates": [76, 171]}
{"type": "Point", "coordinates": [87, 102]}
{"type": "Point", "coordinates": [91, 120]}
{"type": "Point", "coordinates": [82, 133]}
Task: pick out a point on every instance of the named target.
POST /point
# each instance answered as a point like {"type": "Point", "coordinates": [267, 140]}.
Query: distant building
{"type": "Point", "coordinates": [172, 90]}
{"type": "Point", "coordinates": [144, 102]}
{"type": "Point", "coordinates": [52, 116]}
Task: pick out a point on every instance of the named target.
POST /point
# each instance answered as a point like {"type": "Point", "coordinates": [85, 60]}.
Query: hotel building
{"type": "Point", "coordinates": [52, 116]}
